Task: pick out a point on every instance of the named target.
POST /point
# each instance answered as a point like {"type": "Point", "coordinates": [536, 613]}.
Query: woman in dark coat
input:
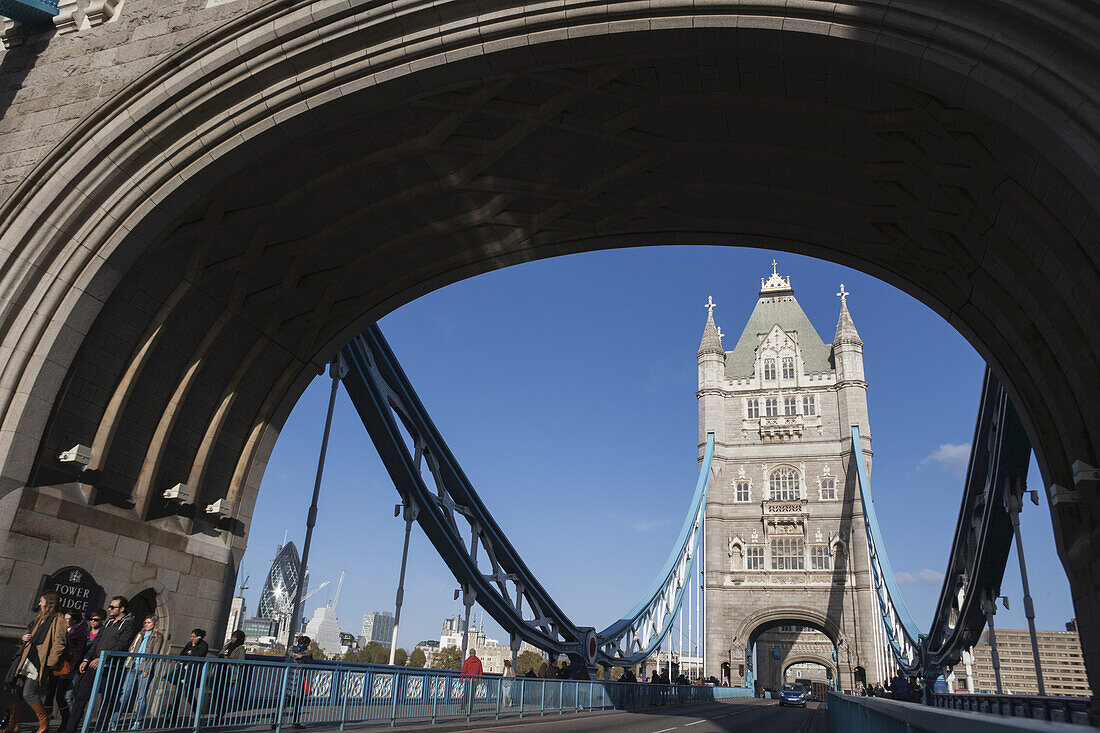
{"type": "Point", "coordinates": [42, 648]}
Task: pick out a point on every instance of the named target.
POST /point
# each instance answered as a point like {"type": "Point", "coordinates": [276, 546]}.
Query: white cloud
{"type": "Point", "coordinates": [923, 577]}
{"type": "Point", "coordinates": [951, 458]}
{"type": "Point", "coordinates": [647, 525]}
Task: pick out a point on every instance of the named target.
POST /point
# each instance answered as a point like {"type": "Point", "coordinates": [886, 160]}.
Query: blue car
{"type": "Point", "coordinates": [793, 695]}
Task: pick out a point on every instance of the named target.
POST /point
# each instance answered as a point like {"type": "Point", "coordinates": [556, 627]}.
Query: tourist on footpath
{"type": "Point", "coordinates": [233, 649]}
{"type": "Point", "coordinates": [116, 636]}
{"type": "Point", "coordinates": [298, 680]}
{"type": "Point", "coordinates": [880, 691]}
{"type": "Point", "coordinates": [899, 687]}
{"type": "Point", "coordinates": [187, 675]}
{"type": "Point", "coordinates": [42, 649]}
{"type": "Point", "coordinates": [471, 668]}
{"type": "Point", "coordinates": [139, 671]}
{"type": "Point", "coordinates": [61, 689]}
{"type": "Point", "coordinates": [83, 676]}
{"type": "Point", "coordinates": [509, 676]}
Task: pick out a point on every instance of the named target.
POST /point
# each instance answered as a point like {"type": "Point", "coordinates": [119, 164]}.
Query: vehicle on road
{"type": "Point", "coordinates": [792, 694]}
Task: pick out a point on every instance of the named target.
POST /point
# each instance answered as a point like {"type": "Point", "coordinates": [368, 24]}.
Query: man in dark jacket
{"type": "Point", "coordinates": [114, 636]}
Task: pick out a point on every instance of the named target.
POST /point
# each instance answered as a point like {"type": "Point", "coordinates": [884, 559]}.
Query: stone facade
{"type": "Point", "coordinates": [785, 540]}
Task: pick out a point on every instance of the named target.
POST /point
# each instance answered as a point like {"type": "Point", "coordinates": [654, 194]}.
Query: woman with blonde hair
{"type": "Point", "coordinates": [138, 671]}
{"type": "Point", "coordinates": [42, 649]}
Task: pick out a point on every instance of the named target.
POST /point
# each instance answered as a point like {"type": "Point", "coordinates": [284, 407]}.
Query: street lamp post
{"type": "Point", "coordinates": [337, 369]}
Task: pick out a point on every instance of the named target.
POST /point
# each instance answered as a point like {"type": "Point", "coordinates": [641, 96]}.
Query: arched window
{"type": "Point", "coordinates": [784, 484]}
{"type": "Point", "coordinates": [769, 369]}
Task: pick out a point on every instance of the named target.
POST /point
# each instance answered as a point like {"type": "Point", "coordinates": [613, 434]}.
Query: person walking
{"type": "Point", "coordinates": [471, 668]}
{"type": "Point", "coordinates": [41, 650]}
{"type": "Point", "coordinates": [508, 678]}
{"type": "Point", "coordinates": [229, 674]}
{"type": "Point", "coordinates": [82, 678]}
{"type": "Point", "coordinates": [114, 636]}
{"type": "Point", "coordinates": [187, 674]}
{"type": "Point", "coordinates": [899, 687]}
{"type": "Point", "coordinates": [76, 638]}
{"type": "Point", "coordinates": [138, 671]}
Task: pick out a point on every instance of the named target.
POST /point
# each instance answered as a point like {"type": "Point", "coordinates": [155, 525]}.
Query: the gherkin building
{"type": "Point", "coordinates": [282, 581]}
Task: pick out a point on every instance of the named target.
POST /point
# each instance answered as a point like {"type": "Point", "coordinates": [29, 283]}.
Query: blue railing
{"type": "Point", "coordinates": [155, 692]}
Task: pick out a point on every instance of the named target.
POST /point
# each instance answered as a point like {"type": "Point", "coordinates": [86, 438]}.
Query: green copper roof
{"type": "Point", "coordinates": [784, 310]}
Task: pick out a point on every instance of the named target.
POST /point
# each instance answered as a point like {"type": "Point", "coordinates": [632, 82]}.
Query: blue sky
{"type": "Point", "coordinates": [566, 388]}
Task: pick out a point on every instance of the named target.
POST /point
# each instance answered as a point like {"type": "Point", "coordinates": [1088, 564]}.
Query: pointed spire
{"type": "Point", "coordinates": [712, 340]}
{"type": "Point", "coordinates": [845, 329]}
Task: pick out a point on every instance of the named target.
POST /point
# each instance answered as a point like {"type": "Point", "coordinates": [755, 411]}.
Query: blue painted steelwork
{"type": "Point", "coordinates": [509, 591]}
{"type": "Point", "coordinates": [901, 630]}
{"type": "Point", "coordinates": [30, 12]}
{"type": "Point", "coordinates": [999, 457]}
{"type": "Point", "coordinates": [189, 693]}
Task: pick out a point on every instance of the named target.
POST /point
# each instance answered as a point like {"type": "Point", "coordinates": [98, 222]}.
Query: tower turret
{"type": "Point", "coordinates": [850, 382]}
{"type": "Point", "coordinates": [712, 367]}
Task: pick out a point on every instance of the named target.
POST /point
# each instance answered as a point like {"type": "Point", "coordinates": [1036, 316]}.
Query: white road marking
{"type": "Point", "coordinates": [697, 722]}
{"type": "Point", "coordinates": [664, 730]}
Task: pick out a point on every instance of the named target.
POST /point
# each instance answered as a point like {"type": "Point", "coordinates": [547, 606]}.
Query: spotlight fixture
{"type": "Point", "coordinates": [79, 453]}
{"type": "Point", "coordinates": [179, 492]}
{"type": "Point", "coordinates": [220, 508]}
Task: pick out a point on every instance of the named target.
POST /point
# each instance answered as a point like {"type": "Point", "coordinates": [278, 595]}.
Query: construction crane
{"type": "Point", "coordinates": [243, 586]}
{"type": "Point", "coordinates": [336, 598]}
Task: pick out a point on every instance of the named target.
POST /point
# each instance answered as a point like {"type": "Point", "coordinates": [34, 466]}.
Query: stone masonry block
{"type": "Point", "coordinates": [46, 527]}
{"type": "Point", "coordinates": [96, 540]}
{"type": "Point", "coordinates": [169, 578]}
{"type": "Point", "coordinates": [142, 573]}
{"type": "Point", "coordinates": [132, 549]}
{"type": "Point", "coordinates": [22, 547]}
{"type": "Point", "coordinates": [6, 564]}
{"type": "Point", "coordinates": [165, 558]}
{"type": "Point", "coordinates": [111, 572]}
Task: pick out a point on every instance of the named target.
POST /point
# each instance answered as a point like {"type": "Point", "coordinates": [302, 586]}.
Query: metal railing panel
{"type": "Point", "coordinates": [850, 714]}
{"type": "Point", "coordinates": [1052, 708]}
{"type": "Point", "coordinates": [144, 692]}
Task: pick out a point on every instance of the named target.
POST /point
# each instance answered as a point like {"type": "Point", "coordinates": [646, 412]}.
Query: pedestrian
{"type": "Point", "coordinates": [139, 671]}
{"type": "Point", "coordinates": [880, 691]}
{"type": "Point", "coordinates": [471, 668]}
{"type": "Point", "coordinates": [300, 654]}
{"type": "Point", "coordinates": [187, 675]}
{"type": "Point", "coordinates": [41, 651]}
{"type": "Point", "coordinates": [84, 675]}
{"type": "Point", "coordinates": [899, 687]}
{"type": "Point", "coordinates": [508, 677]}
{"type": "Point", "coordinates": [231, 673]}
{"type": "Point", "coordinates": [76, 638]}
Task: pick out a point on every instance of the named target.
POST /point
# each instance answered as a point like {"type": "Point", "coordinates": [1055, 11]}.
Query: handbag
{"type": "Point", "coordinates": [62, 669]}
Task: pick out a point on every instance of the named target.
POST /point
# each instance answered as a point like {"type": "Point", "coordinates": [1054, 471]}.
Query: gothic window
{"type": "Point", "coordinates": [753, 409]}
{"type": "Point", "coordinates": [754, 558]}
{"type": "Point", "coordinates": [790, 405]}
{"type": "Point", "coordinates": [828, 489]}
{"type": "Point", "coordinates": [784, 484]}
{"type": "Point", "coordinates": [788, 553]}
{"type": "Point", "coordinates": [741, 491]}
{"type": "Point", "coordinates": [809, 407]}
{"type": "Point", "coordinates": [788, 367]}
{"type": "Point", "coordinates": [769, 369]}
{"type": "Point", "coordinates": [819, 558]}
{"type": "Point", "coordinates": [771, 407]}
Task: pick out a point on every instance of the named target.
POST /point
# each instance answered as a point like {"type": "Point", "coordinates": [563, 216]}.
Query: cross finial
{"type": "Point", "coordinates": [710, 306]}
{"type": "Point", "coordinates": [843, 295]}
{"type": "Point", "coordinates": [774, 266]}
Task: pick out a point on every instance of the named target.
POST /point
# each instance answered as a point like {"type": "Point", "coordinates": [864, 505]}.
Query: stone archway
{"type": "Point", "coordinates": [177, 270]}
{"type": "Point", "coordinates": [825, 662]}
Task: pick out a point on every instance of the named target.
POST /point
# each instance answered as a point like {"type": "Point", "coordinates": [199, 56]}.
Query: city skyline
{"type": "Point", "coordinates": [599, 349]}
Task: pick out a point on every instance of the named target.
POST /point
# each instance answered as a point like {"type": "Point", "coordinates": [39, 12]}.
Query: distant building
{"type": "Point", "coordinates": [1059, 654]}
{"type": "Point", "coordinates": [378, 626]}
{"type": "Point", "coordinates": [324, 628]}
{"type": "Point", "coordinates": [236, 616]}
{"type": "Point", "coordinates": [258, 628]}
{"type": "Point", "coordinates": [277, 595]}
{"type": "Point", "coordinates": [490, 651]}
{"type": "Point", "coordinates": [348, 642]}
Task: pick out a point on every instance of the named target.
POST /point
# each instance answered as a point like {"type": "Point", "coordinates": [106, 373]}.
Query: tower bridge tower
{"type": "Point", "coordinates": [785, 540]}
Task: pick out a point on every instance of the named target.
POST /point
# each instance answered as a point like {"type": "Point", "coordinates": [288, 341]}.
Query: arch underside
{"type": "Point", "coordinates": [248, 226]}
